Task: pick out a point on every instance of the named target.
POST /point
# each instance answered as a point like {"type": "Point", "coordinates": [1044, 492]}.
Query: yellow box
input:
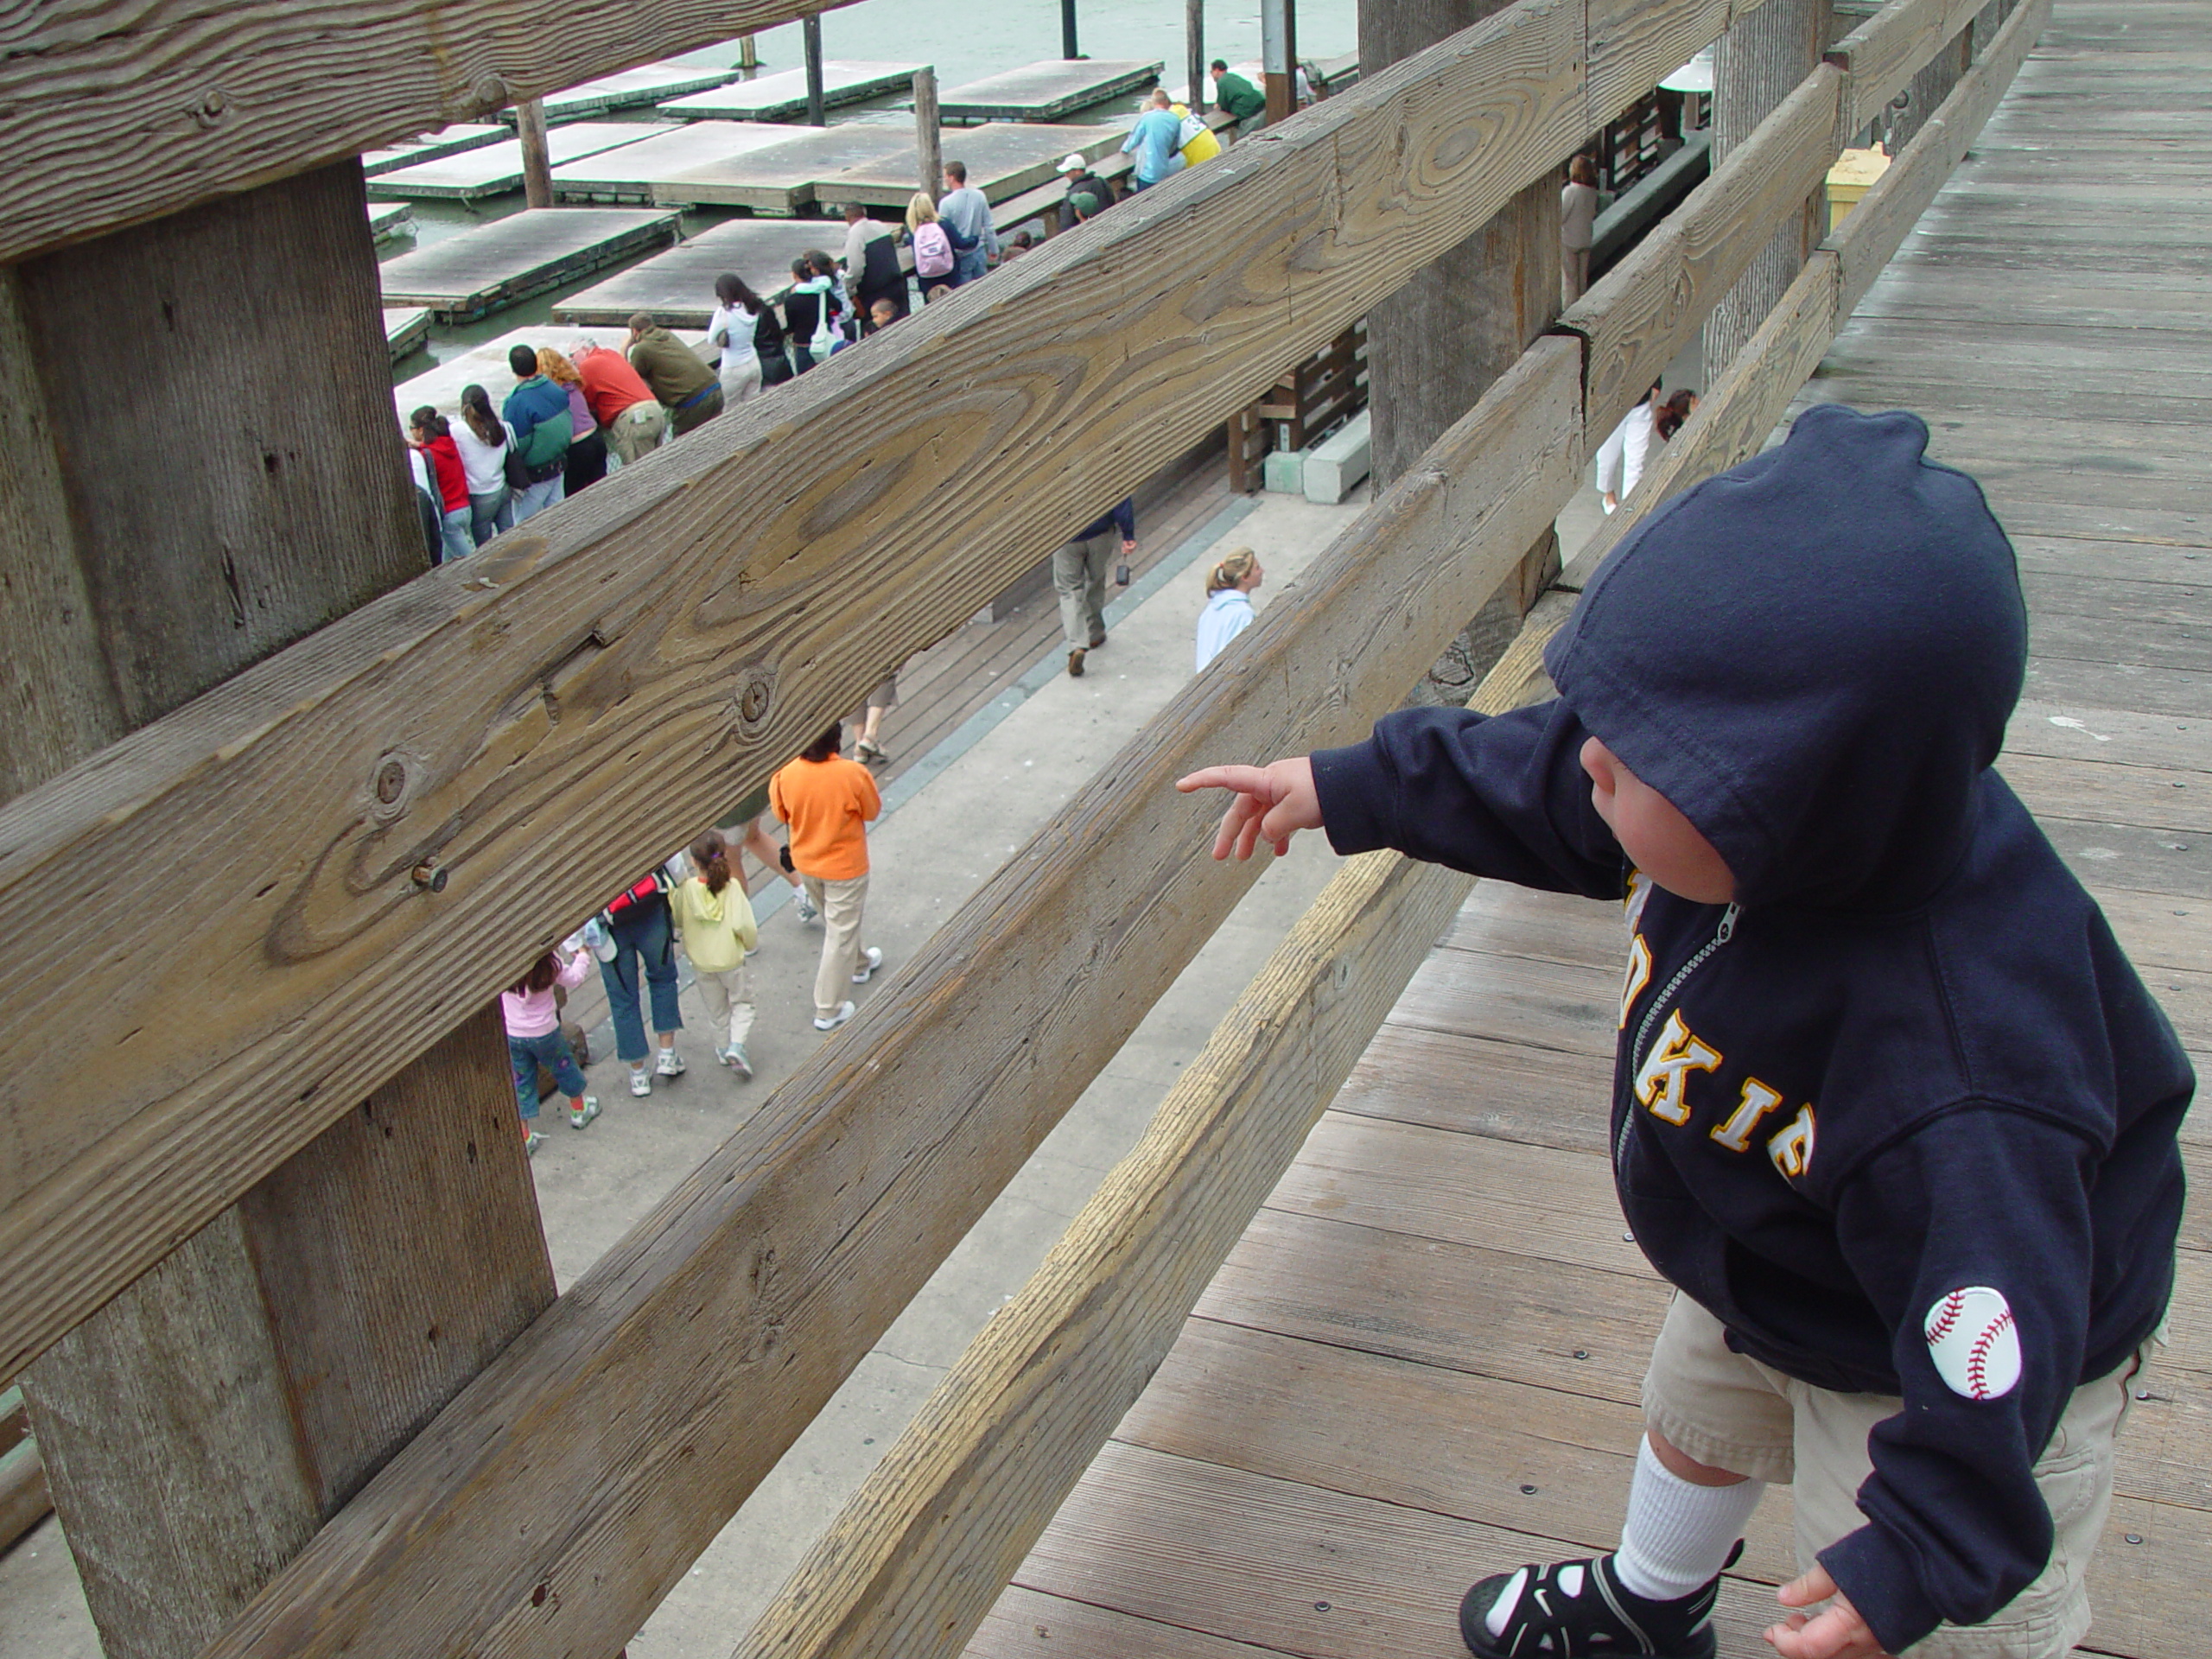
{"type": "Point", "coordinates": [1855, 173]}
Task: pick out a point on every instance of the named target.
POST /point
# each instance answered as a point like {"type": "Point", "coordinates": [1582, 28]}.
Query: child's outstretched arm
{"type": "Point", "coordinates": [1271, 803]}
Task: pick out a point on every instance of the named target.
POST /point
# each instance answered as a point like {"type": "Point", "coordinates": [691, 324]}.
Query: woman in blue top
{"type": "Point", "coordinates": [1228, 603]}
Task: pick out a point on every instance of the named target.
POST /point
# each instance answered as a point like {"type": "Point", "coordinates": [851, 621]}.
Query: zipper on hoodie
{"type": "Point", "coordinates": [1721, 935]}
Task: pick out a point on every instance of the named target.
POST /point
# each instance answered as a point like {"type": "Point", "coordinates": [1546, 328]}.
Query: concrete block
{"type": "Point", "coordinates": [1335, 466]}
{"type": "Point", "coordinates": [1283, 471]}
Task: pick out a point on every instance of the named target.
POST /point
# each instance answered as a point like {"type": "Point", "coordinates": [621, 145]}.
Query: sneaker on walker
{"type": "Point", "coordinates": [871, 959]}
{"type": "Point", "coordinates": [669, 1064]}
{"type": "Point", "coordinates": [1582, 1607]}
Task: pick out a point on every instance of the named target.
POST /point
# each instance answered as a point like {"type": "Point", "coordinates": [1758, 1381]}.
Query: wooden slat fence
{"type": "Point", "coordinates": [724, 601]}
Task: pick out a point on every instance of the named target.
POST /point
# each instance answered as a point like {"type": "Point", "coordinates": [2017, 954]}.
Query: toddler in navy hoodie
{"type": "Point", "coordinates": [1891, 1108]}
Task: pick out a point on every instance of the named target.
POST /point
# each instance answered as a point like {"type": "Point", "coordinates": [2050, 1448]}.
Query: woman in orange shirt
{"type": "Point", "coordinates": [828, 802]}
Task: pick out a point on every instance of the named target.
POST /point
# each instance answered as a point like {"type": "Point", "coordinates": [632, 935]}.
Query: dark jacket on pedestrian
{"type": "Point", "coordinates": [670, 367]}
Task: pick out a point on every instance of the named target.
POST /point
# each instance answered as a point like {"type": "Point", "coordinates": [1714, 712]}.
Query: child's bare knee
{"type": "Point", "coordinates": [1680, 1463]}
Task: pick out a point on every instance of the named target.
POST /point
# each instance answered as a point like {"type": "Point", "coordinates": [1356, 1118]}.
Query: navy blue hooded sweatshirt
{"type": "Point", "coordinates": [1910, 1060]}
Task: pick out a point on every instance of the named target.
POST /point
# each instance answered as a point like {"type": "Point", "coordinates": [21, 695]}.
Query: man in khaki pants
{"type": "Point", "coordinates": [827, 802]}
{"type": "Point", "coordinates": [621, 401]}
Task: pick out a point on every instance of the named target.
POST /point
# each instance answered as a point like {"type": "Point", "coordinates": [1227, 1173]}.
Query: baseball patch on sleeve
{"type": "Point", "coordinates": [1974, 1341]}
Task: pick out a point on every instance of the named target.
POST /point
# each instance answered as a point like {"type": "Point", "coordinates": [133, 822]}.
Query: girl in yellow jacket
{"type": "Point", "coordinates": [715, 923]}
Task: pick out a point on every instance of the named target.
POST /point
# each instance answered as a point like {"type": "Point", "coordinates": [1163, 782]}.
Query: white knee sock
{"type": "Point", "coordinates": [1678, 1533]}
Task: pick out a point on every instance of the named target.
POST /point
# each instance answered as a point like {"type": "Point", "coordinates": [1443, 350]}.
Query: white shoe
{"type": "Point", "coordinates": [738, 1061]}
{"type": "Point", "coordinates": [641, 1080]}
{"type": "Point", "coordinates": [871, 959]}
{"type": "Point", "coordinates": [845, 1012]}
{"type": "Point", "coordinates": [804, 906]}
{"type": "Point", "coordinates": [669, 1064]}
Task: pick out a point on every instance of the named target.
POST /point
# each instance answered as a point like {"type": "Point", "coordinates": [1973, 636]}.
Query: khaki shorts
{"type": "Point", "coordinates": [1726, 1410]}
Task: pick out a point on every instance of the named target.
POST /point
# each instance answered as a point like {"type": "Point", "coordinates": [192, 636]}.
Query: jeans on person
{"type": "Point", "coordinates": [1079, 574]}
{"type": "Point", "coordinates": [534, 500]}
{"type": "Point", "coordinates": [491, 513]}
{"type": "Point", "coordinates": [457, 541]}
{"type": "Point", "coordinates": [527, 1054]}
{"type": "Point", "coordinates": [644, 934]}
{"type": "Point", "coordinates": [969, 265]}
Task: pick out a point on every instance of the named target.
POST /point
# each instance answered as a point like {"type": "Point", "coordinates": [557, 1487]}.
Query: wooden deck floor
{"type": "Point", "coordinates": [1420, 1365]}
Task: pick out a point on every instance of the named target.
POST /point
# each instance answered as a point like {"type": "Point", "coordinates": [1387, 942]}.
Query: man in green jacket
{"type": "Point", "coordinates": [1235, 94]}
{"type": "Point", "coordinates": [687, 388]}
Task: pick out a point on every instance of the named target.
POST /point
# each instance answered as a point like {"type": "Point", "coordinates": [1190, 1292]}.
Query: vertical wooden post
{"type": "Point", "coordinates": [1067, 29]}
{"type": "Point", "coordinates": [1194, 37]}
{"type": "Point", "coordinates": [1759, 62]}
{"type": "Point", "coordinates": [927, 137]}
{"type": "Point", "coordinates": [811, 31]}
{"type": "Point", "coordinates": [1931, 85]}
{"type": "Point", "coordinates": [536, 159]}
{"type": "Point", "coordinates": [199, 1428]}
{"type": "Point", "coordinates": [748, 53]}
{"type": "Point", "coordinates": [1433, 348]}
{"type": "Point", "coordinates": [1279, 56]}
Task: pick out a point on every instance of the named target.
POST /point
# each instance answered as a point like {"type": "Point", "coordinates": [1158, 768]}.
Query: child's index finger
{"type": "Point", "coordinates": [1245, 780]}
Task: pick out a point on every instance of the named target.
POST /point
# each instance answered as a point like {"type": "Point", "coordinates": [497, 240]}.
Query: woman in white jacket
{"type": "Point", "coordinates": [1228, 603]}
{"type": "Point", "coordinates": [1621, 457]}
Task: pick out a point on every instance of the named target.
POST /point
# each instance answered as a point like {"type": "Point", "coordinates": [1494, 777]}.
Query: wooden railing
{"type": "Point", "coordinates": [726, 600]}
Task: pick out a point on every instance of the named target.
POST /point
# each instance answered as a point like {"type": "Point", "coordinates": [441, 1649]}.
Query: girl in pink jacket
{"type": "Point", "coordinates": [535, 1037]}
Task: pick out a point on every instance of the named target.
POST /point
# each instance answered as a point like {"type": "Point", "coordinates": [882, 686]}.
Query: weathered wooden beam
{"type": "Point", "coordinates": [108, 118]}
{"type": "Point", "coordinates": [707, 1340]}
{"type": "Point", "coordinates": [536, 158]}
{"type": "Point", "coordinates": [1651, 305]}
{"type": "Point", "coordinates": [23, 1498]}
{"type": "Point", "coordinates": [696, 617]}
{"type": "Point", "coordinates": [1881, 56]}
{"type": "Point", "coordinates": [918, 1555]}
{"type": "Point", "coordinates": [1865, 240]}
{"type": "Point", "coordinates": [929, 137]}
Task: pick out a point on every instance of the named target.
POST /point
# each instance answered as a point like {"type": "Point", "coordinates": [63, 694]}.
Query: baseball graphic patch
{"type": "Point", "coordinates": [1974, 1341]}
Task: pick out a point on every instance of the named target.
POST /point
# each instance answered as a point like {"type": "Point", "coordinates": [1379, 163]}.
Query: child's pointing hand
{"type": "Point", "coordinates": [1837, 1633]}
{"type": "Point", "coordinates": [1272, 803]}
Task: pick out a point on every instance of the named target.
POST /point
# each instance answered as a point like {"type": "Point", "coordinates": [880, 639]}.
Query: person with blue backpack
{"type": "Point", "coordinates": [538, 412]}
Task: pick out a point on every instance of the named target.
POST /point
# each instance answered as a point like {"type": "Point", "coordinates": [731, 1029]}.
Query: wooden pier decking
{"type": "Point", "coordinates": [678, 286]}
{"type": "Point", "coordinates": [783, 177]}
{"type": "Point", "coordinates": [1420, 1365]}
{"type": "Point", "coordinates": [1003, 159]}
{"type": "Point", "coordinates": [629, 89]}
{"type": "Point", "coordinates": [782, 95]}
{"type": "Point", "coordinates": [447, 141]}
{"type": "Point", "coordinates": [632, 172]}
{"type": "Point", "coordinates": [388, 220]}
{"type": "Point", "coordinates": [501, 263]}
{"type": "Point", "coordinates": [405, 327]}
{"type": "Point", "coordinates": [1048, 89]}
{"type": "Point", "coordinates": [495, 169]}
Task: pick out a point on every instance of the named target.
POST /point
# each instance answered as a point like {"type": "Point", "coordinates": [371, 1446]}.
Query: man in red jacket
{"type": "Point", "coordinates": [621, 401]}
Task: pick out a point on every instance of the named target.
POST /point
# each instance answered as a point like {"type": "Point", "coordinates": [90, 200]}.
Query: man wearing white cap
{"type": "Point", "coordinates": [1079, 177]}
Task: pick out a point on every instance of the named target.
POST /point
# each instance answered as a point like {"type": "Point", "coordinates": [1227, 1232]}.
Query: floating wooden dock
{"type": "Point", "coordinates": [1047, 91]}
{"type": "Point", "coordinates": [485, 365]}
{"type": "Point", "coordinates": [782, 95]}
{"type": "Point", "coordinates": [495, 169]}
{"type": "Point", "coordinates": [484, 270]}
{"type": "Point", "coordinates": [1003, 159]}
{"type": "Point", "coordinates": [390, 219]}
{"type": "Point", "coordinates": [781, 178]}
{"type": "Point", "coordinates": [630, 172]}
{"type": "Point", "coordinates": [447, 141]}
{"type": "Point", "coordinates": [649, 83]}
{"type": "Point", "coordinates": [678, 286]}
{"type": "Point", "coordinates": [405, 327]}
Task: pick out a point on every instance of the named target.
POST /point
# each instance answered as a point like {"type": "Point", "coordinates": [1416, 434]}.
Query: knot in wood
{"type": "Point", "coordinates": [489, 89]}
{"type": "Point", "coordinates": [210, 110]}
{"type": "Point", "coordinates": [755, 697]}
{"type": "Point", "coordinates": [391, 786]}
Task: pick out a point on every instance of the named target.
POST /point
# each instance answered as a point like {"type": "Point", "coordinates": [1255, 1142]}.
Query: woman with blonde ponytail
{"type": "Point", "coordinates": [1228, 603]}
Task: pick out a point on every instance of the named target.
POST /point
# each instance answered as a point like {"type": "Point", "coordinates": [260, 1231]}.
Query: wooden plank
{"type": "Point", "coordinates": [24, 1500]}
{"type": "Point", "coordinates": [13, 1424]}
{"type": "Point", "coordinates": [1865, 240]}
{"type": "Point", "coordinates": [1026, 1625]}
{"type": "Point", "coordinates": [124, 119]}
{"type": "Point", "coordinates": [1880, 57]}
{"type": "Point", "coordinates": [1642, 311]}
{"type": "Point", "coordinates": [1737, 411]}
{"type": "Point", "coordinates": [1048, 89]}
{"type": "Point", "coordinates": [915, 1557]}
{"type": "Point", "coordinates": [496, 170]}
{"type": "Point", "coordinates": [1287, 1565]}
{"type": "Point", "coordinates": [1510, 1092]}
{"type": "Point", "coordinates": [628, 89]}
{"type": "Point", "coordinates": [630, 173]}
{"type": "Point", "coordinates": [1685, 31]}
{"type": "Point", "coordinates": [2149, 798]}
{"type": "Point", "coordinates": [405, 328]}
{"type": "Point", "coordinates": [1003, 158]}
{"type": "Point", "coordinates": [848, 1163]}
{"type": "Point", "coordinates": [678, 286]}
{"type": "Point", "coordinates": [782, 97]}
{"type": "Point", "coordinates": [644, 592]}
{"type": "Point", "coordinates": [782, 177]}
{"type": "Point", "coordinates": [390, 221]}
{"type": "Point", "coordinates": [504, 263]}
{"type": "Point", "coordinates": [446, 141]}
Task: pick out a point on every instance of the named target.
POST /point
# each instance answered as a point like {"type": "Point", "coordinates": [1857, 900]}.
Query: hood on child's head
{"type": "Point", "coordinates": [1812, 656]}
